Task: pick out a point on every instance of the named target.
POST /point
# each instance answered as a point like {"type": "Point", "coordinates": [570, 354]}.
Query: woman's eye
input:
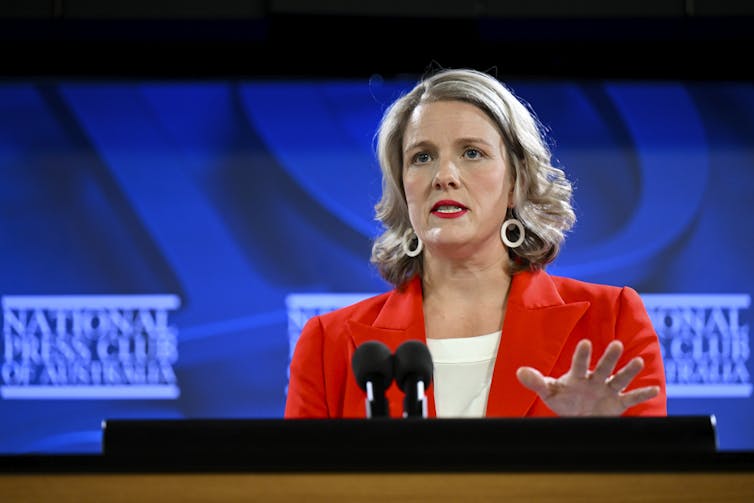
{"type": "Point", "coordinates": [422, 157]}
{"type": "Point", "coordinates": [472, 153]}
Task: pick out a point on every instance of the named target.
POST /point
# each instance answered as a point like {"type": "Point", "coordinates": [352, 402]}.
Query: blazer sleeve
{"type": "Point", "coordinates": [635, 330]}
{"type": "Point", "coordinates": [306, 396]}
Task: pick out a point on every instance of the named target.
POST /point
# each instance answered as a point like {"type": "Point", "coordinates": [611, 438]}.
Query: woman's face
{"type": "Point", "coordinates": [456, 179]}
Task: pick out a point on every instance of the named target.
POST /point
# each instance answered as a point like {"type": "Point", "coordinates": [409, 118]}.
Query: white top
{"type": "Point", "coordinates": [462, 373]}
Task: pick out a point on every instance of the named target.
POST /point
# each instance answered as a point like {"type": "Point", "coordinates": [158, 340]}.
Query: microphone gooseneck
{"type": "Point", "coordinates": [413, 375]}
{"type": "Point", "coordinates": [372, 365]}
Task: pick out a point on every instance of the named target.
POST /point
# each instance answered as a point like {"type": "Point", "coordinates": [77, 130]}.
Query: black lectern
{"type": "Point", "coordinates": [377, 460]}
{"type": "Point", "coordinates": [384, 444]}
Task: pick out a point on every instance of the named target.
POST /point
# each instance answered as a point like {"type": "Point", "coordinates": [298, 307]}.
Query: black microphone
{"type": "Point", "coordinates": [413, 374]}
{"type": "Point", "coordinates": [372, 364]}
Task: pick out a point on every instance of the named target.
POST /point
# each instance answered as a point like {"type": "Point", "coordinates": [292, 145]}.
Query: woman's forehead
{"type": "Point", "coordinates": [448, 119]}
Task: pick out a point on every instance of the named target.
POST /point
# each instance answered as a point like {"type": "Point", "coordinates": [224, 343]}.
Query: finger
{"type": "Point", "coordinates": [607, 362]}
{"type": "Point", "coordinates": [580, 360]}
{"type": "Point", "coordinates": [624, 376]}
{"type": "Point", "coordinates": [636, 396]}
{"type": "Point", "coordinates": [533, 379]}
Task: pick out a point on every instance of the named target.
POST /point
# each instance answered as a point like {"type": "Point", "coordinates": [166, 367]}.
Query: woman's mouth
{"type": "Point", "coordinates": [448, 209]}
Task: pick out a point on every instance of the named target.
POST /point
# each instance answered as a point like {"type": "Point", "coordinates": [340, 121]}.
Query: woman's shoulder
{"type": "Point", "coordinates": [363, 310]}
{"type": "Point", "coordinates": [573, 290]}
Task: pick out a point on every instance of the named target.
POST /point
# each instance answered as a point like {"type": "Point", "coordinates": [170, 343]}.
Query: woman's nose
{"type": "Point", "coordinates": [446, 176]}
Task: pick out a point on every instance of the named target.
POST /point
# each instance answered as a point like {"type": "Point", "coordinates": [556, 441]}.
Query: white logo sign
{"type": "Point", "coordinates": [705, 344]}
{"type": "Point", "coordinates": [88, 346]}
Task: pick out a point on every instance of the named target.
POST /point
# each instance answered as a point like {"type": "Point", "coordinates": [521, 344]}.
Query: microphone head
{"type": "Point", "coordinates": [412, 358]}
{"type": "Point", "coordinates": [372, 361]}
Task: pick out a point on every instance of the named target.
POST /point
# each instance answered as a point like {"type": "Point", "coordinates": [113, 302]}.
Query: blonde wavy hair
{"type": "Point", "coordinates": [541, 192]}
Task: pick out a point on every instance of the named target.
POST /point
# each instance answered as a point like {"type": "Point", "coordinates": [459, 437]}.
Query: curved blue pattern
{"type": "Point", "coordinates": [322, 135]}
{"type": "Point", "coordinates": [671, 146]}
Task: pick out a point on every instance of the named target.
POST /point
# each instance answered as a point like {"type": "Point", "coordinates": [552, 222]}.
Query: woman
{"type": "Point", "coordinates": [473, 212]}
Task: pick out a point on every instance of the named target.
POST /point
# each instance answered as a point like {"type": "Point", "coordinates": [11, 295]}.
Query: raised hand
{"type": "Point", "coordinates": [581, 392]}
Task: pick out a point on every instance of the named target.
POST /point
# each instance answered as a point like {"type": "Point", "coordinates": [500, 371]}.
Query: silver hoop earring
{"type": "Point", "coordinates": [504, 233]}
{"type": "Point", "coordinates": [409, 236]}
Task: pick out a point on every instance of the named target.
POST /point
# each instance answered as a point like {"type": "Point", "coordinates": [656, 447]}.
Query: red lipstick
{"type": "Point", "coordinates": [447, 208]}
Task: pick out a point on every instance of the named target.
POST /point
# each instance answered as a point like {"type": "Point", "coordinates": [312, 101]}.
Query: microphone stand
{"type": "Point", "coordinates": [415, 401]}
{"type": "Point", "coordinates": [413, 374]}
{"type": "Point", "coordinates": [372, 365]}
{"type": "Point", "coordinates": [376, 402]}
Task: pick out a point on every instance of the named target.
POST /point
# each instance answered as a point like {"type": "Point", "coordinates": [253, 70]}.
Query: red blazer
{"type": "Point", "coordinates": [546, 316]}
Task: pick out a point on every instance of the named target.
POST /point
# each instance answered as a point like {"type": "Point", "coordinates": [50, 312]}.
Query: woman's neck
{"type": "Point", "coordinates": [464, 301]}
{"type": "Point", "coordinates": [468, 282]}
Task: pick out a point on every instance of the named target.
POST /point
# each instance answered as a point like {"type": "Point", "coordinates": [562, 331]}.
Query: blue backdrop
{"type": "Point", "coordinates": [211, 218]}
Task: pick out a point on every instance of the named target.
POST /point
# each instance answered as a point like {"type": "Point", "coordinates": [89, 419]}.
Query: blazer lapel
{"type": "Point", "coordinates": [399, 320]}
{"type": "Point", "coordinates": [536, 327]}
